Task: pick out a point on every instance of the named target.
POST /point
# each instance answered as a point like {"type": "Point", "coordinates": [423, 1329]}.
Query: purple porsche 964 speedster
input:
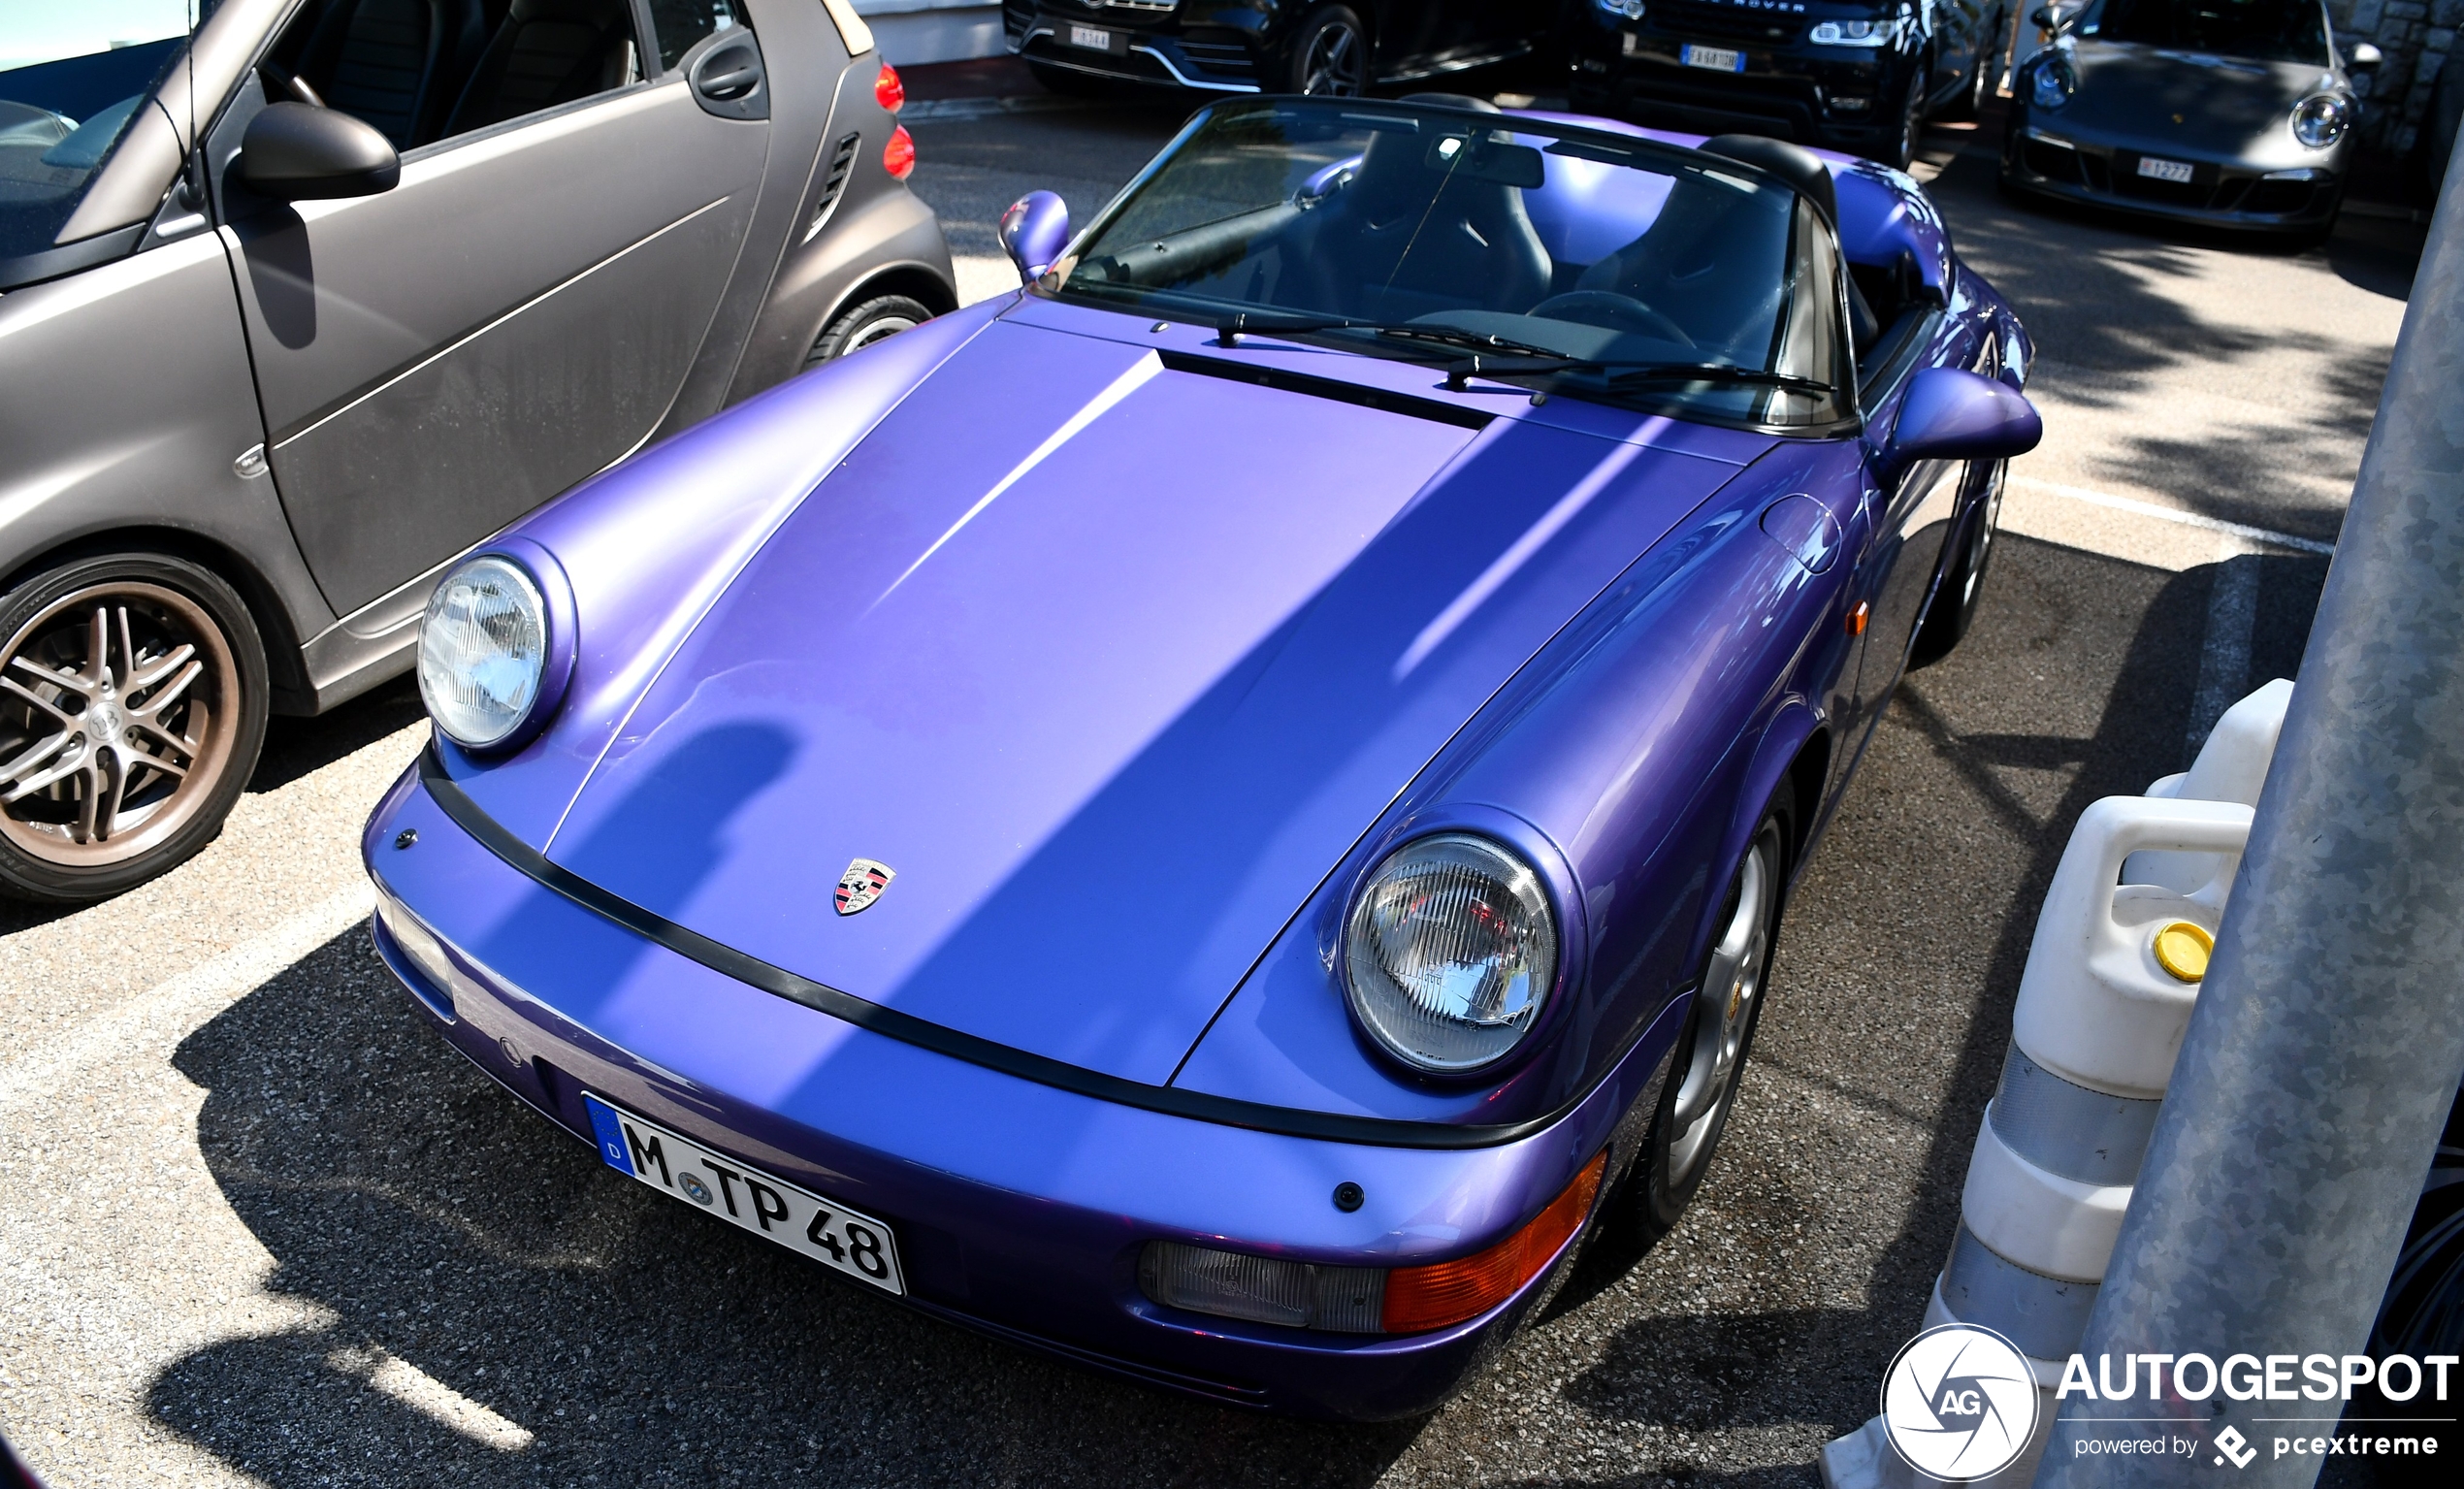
{"type": "Point", "coordinates": [1221, 813]}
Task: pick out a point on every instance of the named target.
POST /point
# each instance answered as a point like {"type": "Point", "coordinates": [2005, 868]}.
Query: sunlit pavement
{"type": "Point", "coordinates": [257, 1225]}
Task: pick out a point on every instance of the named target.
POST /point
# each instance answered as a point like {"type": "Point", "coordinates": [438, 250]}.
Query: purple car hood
{"type": "Point", "coordinates": [1108, 662]}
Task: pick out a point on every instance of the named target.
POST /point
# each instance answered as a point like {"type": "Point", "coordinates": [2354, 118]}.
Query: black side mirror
{"type": "Point", "coordinates": [2044, 20]}
{"type": "Point", "coordinates": [298, 153]}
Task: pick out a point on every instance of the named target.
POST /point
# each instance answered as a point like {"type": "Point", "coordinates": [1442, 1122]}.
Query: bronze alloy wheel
{"type": "Point", "coordinates": [127, 715]}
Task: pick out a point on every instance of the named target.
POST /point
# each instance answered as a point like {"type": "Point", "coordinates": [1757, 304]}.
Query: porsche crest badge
{"type": "Point", "coordinates": [861, 885]}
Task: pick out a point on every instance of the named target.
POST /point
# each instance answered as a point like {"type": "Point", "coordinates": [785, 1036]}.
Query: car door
{"type": "Point", "coordinates": [436, 360]}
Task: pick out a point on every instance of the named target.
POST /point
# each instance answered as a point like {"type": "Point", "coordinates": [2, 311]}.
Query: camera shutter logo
{"type": "Point", "coordinates": [1959, 1402]}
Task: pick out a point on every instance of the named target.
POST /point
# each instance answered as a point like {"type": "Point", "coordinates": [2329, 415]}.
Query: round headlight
{"type": "Point", "coordinates": [2050, 85]}
{"type": "Point", "coordinates": [483, 652]}
{"type": "Point", "coordinates": [1449, 953]}
{"type": "Point", "coordinates": [2321, 120]}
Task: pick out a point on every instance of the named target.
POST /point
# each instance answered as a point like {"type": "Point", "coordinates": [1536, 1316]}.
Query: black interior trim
{"type": "Point", "coordinates": [1437, 411]}
{"type": "Point", "coordinates": [1286, 1122]}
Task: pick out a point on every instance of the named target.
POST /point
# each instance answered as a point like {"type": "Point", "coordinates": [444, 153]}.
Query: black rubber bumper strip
{"type": "Point", "coordinates": [692, 944]}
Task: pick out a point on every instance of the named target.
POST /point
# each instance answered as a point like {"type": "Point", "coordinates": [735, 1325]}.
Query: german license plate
{"type": "Point", "coordinates": [2165, 170]}
{"type": "Point", "coordinates": [1092, 38]}
{"type": "Point", "coordinates": [841, 1239]}
{"type": "Point", "coordinates": [1719, 59]}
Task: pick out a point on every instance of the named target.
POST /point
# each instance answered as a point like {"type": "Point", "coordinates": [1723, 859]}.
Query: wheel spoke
{"type": "Point", "coordinates": [98, 649]}
{"type": "Point", "coordinates": [103, 803]}
{"type": "Point", "coordinates": [169, 742]}
{"type": "Point", "coordinates": [160, 667]}
{"type": "Point", "coordinates": [66, 682]}
{"type": "Point", "coordinates": [169, 694]}
{"type": "Point", "coordinates": [11, 685]}
{"type": "Point", "coordinates": [32, 757]}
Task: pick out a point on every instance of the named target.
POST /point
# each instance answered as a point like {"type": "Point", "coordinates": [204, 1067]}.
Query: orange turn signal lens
{"type": "Point", "coordinates": [899, 156]}
{"type": "Point", "coordinates": [1423, 1298]}
{"type": "Point", "coordinates": [1857, 618]}
{"type": "Point", "coordinates": [888, 90]}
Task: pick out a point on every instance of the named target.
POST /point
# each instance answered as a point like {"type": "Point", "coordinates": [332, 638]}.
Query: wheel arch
{"type": "Point", "coordinates": [286, 669]}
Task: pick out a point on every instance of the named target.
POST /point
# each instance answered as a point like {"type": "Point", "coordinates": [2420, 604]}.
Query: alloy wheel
{"type": "Point", "coordinates": [1731, 987]}
{"type": "Point", "coordinates": [1336, 63]}
{"type": "Point", "coordinates": [116, 720]}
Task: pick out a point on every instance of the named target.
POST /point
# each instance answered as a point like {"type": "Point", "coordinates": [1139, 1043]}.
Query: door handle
{"type": "Point", "coordinates": [727, 80]}
{"type": "Point", "coordinates": [735, 82]}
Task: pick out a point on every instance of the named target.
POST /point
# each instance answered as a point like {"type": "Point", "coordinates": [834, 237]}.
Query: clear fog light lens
{"type": "Point", "coordinates": [1450, 950]}
{"type": "Point", "coordinates": [482, 651]}
{"type": "Point", "coordinates": [2321, 120]}
{"type": "Point", "coordinates": [422, 950]}
{"type": "Point", "coordinates": [1345, 1300]}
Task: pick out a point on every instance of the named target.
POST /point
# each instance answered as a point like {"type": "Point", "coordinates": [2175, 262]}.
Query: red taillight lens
{"type": "Point", "coordinates": [888, 90]}
{"type": "Point", "coordinates": [899, 156]}
{"type": "Point", "coordinates": [1423, 1298]}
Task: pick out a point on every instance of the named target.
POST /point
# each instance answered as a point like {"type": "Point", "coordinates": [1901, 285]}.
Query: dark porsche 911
{"type": "Point", "coordinates": [2237, 113]}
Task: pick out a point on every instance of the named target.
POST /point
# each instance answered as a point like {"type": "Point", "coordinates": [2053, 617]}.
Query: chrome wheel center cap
{"type": "Point", "coordinates": [101, 724]}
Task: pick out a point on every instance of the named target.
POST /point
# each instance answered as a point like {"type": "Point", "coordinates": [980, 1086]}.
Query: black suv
{"type": "Point", "coordinates": [1265, 45]}
{"type": "Point", "coordinates": [1847, 76]}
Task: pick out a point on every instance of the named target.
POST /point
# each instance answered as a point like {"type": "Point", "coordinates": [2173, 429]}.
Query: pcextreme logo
{"type": "Point", "coordinates": [1959, 1402]}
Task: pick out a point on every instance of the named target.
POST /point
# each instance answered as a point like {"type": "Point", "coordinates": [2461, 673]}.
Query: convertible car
{"type": "Point", "coordinates": [1219, 814]}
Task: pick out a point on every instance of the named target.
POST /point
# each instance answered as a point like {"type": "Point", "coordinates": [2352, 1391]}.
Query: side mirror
{"type": "Point", "coordinates": [2044, 20]}
{"type": "Point", "coordinates": [298, 153]}
{"type": "Point", "coordinates": [1033, 232]}
{"type": "Point", "coordinates": [1949, 415]}
{"type": "Point", "coordinates": [2365, 58]}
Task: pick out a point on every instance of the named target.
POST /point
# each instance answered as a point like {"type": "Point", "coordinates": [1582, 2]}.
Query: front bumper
{"type": "Point", "coordinates": [1020, 1209]}
{"type": "Point", "coordinates": [1837, 97]}
{"type": "Point", "coordinates": [1159, 50]}
{"type": "Point", "coordinates": [2077, 166]}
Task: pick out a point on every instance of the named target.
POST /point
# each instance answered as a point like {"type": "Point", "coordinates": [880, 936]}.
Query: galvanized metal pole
{"type": "Point", "coordinates": [2329, 1035]}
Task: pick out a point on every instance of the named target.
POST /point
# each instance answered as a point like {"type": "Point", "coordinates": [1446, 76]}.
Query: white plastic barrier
{"type": "Point", "coordinates": [2113, 971]}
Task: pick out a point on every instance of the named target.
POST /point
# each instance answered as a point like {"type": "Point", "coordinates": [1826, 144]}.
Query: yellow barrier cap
{"type": "Point", "coordinates": [2183, 949]}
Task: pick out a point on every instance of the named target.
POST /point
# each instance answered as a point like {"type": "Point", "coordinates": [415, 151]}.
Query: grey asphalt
{"type": "Point", "coordinates": [258, 1226]}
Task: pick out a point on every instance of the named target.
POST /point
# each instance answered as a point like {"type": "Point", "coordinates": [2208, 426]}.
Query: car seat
{"type": "Point", "coordinates": [392, 63]}
{"type": "Point", "coordinates": [546, 52]}
{"type": "Point", "coordinates": [1407, 237]}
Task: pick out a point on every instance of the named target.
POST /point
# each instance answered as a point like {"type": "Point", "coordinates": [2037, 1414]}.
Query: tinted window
{"type": "Point", "coordinates": [681, 23]}
{"type": "Point", "coordinates": [72, 79]}
{"type": "Point", "coordinates": [1442, 236]}
{"type": "Point", "coordinates": [2269, 30]}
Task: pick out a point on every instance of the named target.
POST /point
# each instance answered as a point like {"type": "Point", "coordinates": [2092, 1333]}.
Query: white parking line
{"type": "Point", "coordinates": [169, 1012]}
{"type": "Point", "coordinates": [2175, 514]}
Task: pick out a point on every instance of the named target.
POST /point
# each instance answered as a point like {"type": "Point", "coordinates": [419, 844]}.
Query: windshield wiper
{"type": "Point", "coordinates": [1632, 371]}
{"type": "Point", "coordinates": [1230, 330]}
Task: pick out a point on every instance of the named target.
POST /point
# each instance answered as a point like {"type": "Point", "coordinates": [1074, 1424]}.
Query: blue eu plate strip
{"type": "Point", "coordinates": [612, 1134]}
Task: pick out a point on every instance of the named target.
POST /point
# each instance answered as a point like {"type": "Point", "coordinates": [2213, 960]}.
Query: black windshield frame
{"type": "Point", "coordinates": [1833, 413]}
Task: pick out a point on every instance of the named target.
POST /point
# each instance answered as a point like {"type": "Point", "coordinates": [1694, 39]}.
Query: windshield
{"type": "Point", "coordinates": [72, 75]}
{"type": "Point", "coordinates": [1609, 268]}
{"type": "Point", "coordinates": [2267, 30]}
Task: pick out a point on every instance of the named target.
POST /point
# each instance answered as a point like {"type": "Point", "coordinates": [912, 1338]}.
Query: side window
{"type": "Point", "coordinates": [681, 24]}
{"type": "Point", "coordinates": [425, 70]}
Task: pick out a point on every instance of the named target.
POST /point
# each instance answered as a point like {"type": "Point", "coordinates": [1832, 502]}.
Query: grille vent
{"type": "Point", "coordinates": [842, 163]}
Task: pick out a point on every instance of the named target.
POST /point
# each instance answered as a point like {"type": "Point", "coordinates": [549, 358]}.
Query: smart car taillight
{"type": "Point", "coordinates": [1419, 1299]}
{"type": "Point", "coordinates": [888, 90]}
{"type": "Point", "coordinates": [899, 156]}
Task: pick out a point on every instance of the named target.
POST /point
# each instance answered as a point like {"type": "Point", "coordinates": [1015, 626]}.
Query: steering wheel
{"type": "Point", "coordinates": [1612, 311]}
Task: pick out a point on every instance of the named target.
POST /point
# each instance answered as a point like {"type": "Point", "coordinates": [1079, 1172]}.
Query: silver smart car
{"type": "Point", "coordinates": [302, 299]}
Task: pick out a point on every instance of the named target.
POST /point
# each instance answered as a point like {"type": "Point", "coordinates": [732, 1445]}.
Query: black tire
{"type": "Point", "coordinates": [134, 756]}
{"type": "Point", "coordinates": [1952, 610]}
{"type": "Point", "coordinates": [1969, 101]}
{"type": "Point", "coordinates": [1701, 1089]}
{"type": "Point", "coordinates": [1330, 54]}
{"type": "Point", "coordinates": [1901, 152]}
{"type": "Point", "coordinates": [1070, 83]}
{"type": "Point", "coordinates": [859, 326]}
